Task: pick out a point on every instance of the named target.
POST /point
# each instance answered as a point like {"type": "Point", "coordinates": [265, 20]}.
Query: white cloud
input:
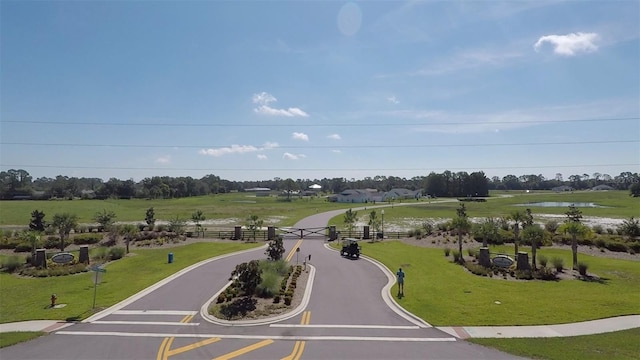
{"type": "Point", "coordinates": [336, 151]}
{"type": "Point", "coordinates": [163, 159]}
{"type": "Point", "coordinates": [300, 136]}
{"type": "Point", "coordinates": [263, 100]}
{"type": "Point", "coordinates": [262, 157]}
{"type": "Point", "coordinates": [237, 149]}
{"type": "Point", "coordinates": [334, 137]}
{"type": "Point", "coordinates": [290, 156]}
{"type": "Point", "coordinates": [570, 44]}
{"type": "Point", "coordinates": [393, 100]}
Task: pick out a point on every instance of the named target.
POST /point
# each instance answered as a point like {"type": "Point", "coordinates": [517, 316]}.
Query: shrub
{"type": "Point", "coordinates": [268, 286]}
{"type": "Point", "coordinates": [238, 307]}
{"type": "Point", "coordinates": [8, 243]}
{"type": "Point", "coordinates": [472, 252]}
{"type": "Point", "coordinates": [457, 256]}
{"type": "Point", "coordinates": [558, 263]}
{"type": "Point", "coordinates": [221, 299]}
{"type": "Point", "coordinates": [524, 274]}
{"type": "Point", "coordinates": [545, 274]}
{"type": "Point", "coordinates": [598, 229]}
{"type": "Point", "coordinates": [477, 269]}
{"type": "Point", "coordinates": [542, 260]}
{"type": "Point", "coordinates": [610, 231]}
{"type": "Point", "coordinates": [616, 246]}
{"type": "Point", "coordinates": [600, 243]}
{"type": "Point", "coordinates": [11, 263]}
{"type": "Point", "coordinates": [582, 268]}
{"type": "Point", "coordinates": [447, 251]}
{"type": "Point", "coordinates": [287, 300]}
{"type": "Point", "coordinates": [551, 226]}
{"type": "Point", "coordinates": [100, 253]}
{"type": "Point", "coordinates": [635, 247]}
{"type": "Point", "coordinates": [53, 242]}
{"type": "Point", "coordinates": [116, 253]}
{"type": "Point", "coordinates": [86, 239]}
{"type": "Point", "coordinates": [22, 248]}
{"type": "Point", "coordinates": [427, 227]}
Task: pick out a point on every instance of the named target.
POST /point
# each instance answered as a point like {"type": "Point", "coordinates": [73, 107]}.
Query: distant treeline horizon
{"type": "Point", "coordinates": [17, 184]}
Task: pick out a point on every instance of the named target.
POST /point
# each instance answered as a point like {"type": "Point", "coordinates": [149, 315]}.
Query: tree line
{"type": "Point", "coordinates": [19, 184]}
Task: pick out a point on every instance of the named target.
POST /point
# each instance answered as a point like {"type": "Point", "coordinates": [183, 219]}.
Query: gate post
{"type": "Point", "coordinates": [237, 233]}
{"type": "Point", "coordinates": [332, 233]}
{"type": "Point", "coordinates": [271, 233]}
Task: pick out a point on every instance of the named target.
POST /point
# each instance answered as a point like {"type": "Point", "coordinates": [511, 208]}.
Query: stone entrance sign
{"type": "Point", "coordinates": [503, 261]}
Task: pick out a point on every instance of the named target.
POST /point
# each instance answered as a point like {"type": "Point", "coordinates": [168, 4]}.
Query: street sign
{"type": "Point", "coordinates": [97, 268]}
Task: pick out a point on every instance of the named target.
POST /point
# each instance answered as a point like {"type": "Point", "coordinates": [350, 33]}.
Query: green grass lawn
{"type": "Point", "coordinates": [28, 298]}
{"type": "Point", "coordinates": [445, 294]}
{"type": "Point", "coordinates": [615, 345]}
{"type": "Point", "coordinates": [12, 338]}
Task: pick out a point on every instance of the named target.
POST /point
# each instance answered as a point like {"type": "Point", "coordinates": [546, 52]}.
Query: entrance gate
{"type": "Point", "coordinates": [319, 232]}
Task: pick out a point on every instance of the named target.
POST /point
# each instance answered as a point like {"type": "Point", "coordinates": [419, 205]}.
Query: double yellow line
{"type": "Point", "coordinates": [298, 348]}
{"type": "Point", "coordinates": [293, 250]}
{"type": "Point", "coordinates": [165, 347]}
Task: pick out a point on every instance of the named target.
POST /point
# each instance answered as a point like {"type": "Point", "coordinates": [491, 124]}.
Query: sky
{"type": "Point", "coordinates": [257, 90]}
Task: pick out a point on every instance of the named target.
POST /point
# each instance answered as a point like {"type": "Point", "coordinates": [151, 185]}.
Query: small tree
{"type": "Point", "coordinates": [248, 276]}
{"type": "Point", "coordinates": [150, 218]}
{"type": "Point", "coordinates": [33, 238]}
{"type": "Point", "coordinates": [105, 218]}
{"type": "Point", "coordinates": [630, 228]}
{"type": "Point", "coordinates": [374, 221]}
{"type": "Point", "coordinates": [37, 222]}
{"type": "Point", "coordinates": [64, 223]}
{"type": "Point", "coordinates": [350, 218]}
{"type": "Point", "coordinates": [197, 217]}
{"type": "Point", "coordinates": [275, 250]}
{"type": "Point", "coordinates": [128, 231]}
{"type": "Point", "coordinates": [488, 230]}
{"type": "Point", "coordinates": [572, 227]}
{"type": "Point", "coordinates": [177, 225]}
{"type": "Point", "coordinates": [534, 233]}
{"type": "Point", "coordinates": [253, 224]}
{"type": "Point", "coordinates": [462, 225]}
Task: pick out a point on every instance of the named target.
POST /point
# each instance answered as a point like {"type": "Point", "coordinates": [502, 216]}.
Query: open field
{"type": "Point", "coordinates": [28, 298]}
{"type": "Point", "coordinates": [615, 345]}
{"type": "Point", "coordinates": [616, 204]}
{"type": "Point", "coordinates": [226, 206]}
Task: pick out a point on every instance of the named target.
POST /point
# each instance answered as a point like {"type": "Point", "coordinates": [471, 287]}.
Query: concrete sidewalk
{"type": "Point", "coordinates": [462, 332]}
{"type": "Point", "coordinates": [572, 329]}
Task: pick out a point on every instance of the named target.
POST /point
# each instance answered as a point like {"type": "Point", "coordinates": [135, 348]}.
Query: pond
{"type": "Point", "coordinates": [562, 204]}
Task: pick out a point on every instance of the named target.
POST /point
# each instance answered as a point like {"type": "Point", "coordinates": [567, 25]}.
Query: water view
{"type": "Point", "coordinates": [562, 204]}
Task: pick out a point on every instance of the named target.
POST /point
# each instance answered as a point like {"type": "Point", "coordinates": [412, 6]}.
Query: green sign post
{"type": "Point", "coordinates": [97, 270]}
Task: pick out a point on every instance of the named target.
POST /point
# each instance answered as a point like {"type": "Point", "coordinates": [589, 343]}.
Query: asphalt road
{"type": "Point", "coordinates": [347, 317]}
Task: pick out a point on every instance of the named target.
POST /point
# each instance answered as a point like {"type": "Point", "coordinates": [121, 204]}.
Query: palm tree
{"type": "Point", "coordinates": [128, 231]}
{"type": "Point", "coordinates": [535, 234]}
{"type": "Point", "coordinates": [573, 227]}
{"type": "Point", "coordinates": [462, 225]}
{"type": "Point", "coordinates": [518, 218]}
{"type": "Point", "coordinates": [197, 217]}
{"type": "Point", "coordinates": [374, 222]}
{"type": "Point", "coordinates": [64, 222]}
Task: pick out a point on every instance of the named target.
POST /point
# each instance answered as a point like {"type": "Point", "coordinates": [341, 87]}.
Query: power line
{"type": "Point", "coordinates": [312, 169]}
{"type": "Point", "coordinates": [315, 125]}
{"type": "Point", "coordinates": [329, 146]}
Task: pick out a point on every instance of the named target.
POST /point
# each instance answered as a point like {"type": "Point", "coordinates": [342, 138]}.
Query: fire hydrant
{"type": "Point", "coordinates": [53, 300]}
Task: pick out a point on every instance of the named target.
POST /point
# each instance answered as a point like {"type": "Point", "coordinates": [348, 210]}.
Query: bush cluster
{"type": "Point", "coordinates": [238, 307]}
{"type": "Point", "coordinates": [87, 239]}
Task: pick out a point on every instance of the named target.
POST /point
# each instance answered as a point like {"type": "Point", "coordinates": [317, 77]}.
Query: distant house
{"type": "Point", "coordinates": [259, 191]}
{"type": "Point", "coordinates": [602, 188]}
{"type": "Point", "coordinates": [401, 194]}
{"type": "Point", "coordinates": [562, 188]}
{"type": "Point", "coordinates": [372, 195]}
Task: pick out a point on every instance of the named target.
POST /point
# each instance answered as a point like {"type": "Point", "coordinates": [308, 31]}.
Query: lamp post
{"type": "Point", "coordinates": [382, 211]}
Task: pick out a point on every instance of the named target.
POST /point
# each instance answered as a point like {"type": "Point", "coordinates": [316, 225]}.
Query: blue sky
{"type": "Point", "coordinates": [258, 90]}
